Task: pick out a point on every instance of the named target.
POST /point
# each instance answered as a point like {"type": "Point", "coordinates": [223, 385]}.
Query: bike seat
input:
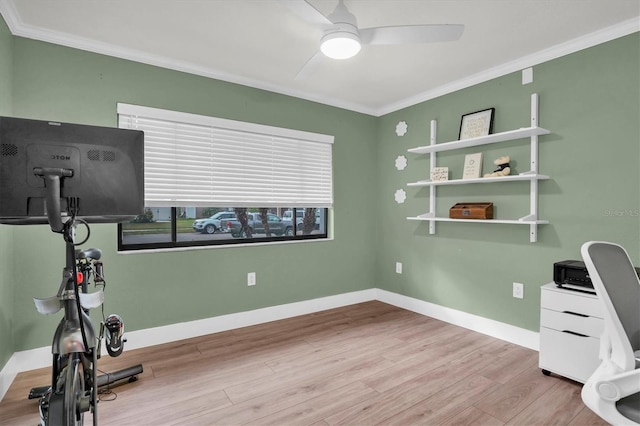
{"type": "Point", "coordinates": [91, 253]}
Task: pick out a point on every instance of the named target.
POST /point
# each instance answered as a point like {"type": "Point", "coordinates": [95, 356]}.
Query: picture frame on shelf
{"type": "Point", "coordinates": [475, 124]}
{"type": "Point", "coordinates": [472, 166]}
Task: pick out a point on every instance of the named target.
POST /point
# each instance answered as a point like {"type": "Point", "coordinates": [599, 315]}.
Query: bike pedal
{"type": "Point", "coordinates": [38, 392]}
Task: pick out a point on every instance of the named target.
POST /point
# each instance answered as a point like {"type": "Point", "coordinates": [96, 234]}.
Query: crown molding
{"type": "Point", "coordinates": [19, 28]}
{"type": "Point", "coordinates": [593, 39]}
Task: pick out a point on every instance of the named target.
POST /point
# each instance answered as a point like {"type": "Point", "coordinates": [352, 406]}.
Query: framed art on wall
{"type": "Point", "coordinates": [479, 123]}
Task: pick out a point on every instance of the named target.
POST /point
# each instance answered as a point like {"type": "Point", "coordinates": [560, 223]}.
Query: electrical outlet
{"type": "Point", "coordinates": [398, 267]}
{"type": "Point", "coordinates": [251, 278]}
{"type": "Point", "coordinates": [518, 290]}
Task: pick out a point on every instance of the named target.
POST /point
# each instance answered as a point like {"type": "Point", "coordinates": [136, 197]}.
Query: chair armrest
{"type": "Point", "coordinates": [619, 385]}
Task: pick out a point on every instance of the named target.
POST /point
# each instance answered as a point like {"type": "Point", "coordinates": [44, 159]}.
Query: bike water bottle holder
{"type": "Point", "coordinates": [68, 336]}
{"type": "Point", "coordinates": [92, 300]}
{"type": "Point", "coordinates": [51, 305]}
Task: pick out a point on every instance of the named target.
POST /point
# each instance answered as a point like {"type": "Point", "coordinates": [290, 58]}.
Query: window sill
{"type": "Point", "coordinates": [222, 246]}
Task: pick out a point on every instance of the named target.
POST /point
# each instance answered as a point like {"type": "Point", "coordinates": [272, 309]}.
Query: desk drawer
{"type": "Point", "coordinates": [563, 321]}
{"type": "Point", "coordinates": [566, 300]}
{"type": "Point", "coordinates": [571, 356]}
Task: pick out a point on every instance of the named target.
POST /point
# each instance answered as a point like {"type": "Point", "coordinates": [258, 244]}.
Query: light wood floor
{"type": "Point", "coordinates": [365, 364]}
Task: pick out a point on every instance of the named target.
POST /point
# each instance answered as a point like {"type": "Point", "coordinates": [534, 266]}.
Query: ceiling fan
{"type": "Point", "coordinates": [342, 39]}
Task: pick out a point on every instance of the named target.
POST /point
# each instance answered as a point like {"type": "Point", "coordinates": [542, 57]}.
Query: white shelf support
{"type": "Point", "coordinates": [533, 195]}
{"type": "Point", "coordinates": [534, 136]}
{"type": "Point", "coordinates": [432, 188]}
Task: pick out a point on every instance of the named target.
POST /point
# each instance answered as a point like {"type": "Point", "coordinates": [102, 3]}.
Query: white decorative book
{"type": "Point", "coordinates": [472, 166]}
{"type": "Point", "coordinates": [439, 174]}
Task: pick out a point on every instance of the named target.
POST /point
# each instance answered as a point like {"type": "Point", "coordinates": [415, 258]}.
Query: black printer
{"type": "Point", "coordinates": [573, 275]}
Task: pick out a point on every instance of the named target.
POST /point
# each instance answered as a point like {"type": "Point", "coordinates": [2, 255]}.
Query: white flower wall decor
{"type": "Point", "coordinates": [401, 128]}
{"type": "Point", "coordinates": [401, 162]}
{"type": "Point", "coordinates": [400, 196]}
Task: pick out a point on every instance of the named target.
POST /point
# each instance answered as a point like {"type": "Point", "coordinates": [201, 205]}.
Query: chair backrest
{"type": "Point", "coordinates": [617, 285]}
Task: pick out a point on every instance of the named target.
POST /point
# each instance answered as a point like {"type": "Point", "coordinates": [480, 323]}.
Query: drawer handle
{"type": "Point", "coordinates": [576, 314]}
{"type": "Point", "coordinates": [574, 333]}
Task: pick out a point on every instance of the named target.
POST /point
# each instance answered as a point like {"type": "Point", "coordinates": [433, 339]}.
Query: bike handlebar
{"type": "Point", "coordinates": [52, 177]}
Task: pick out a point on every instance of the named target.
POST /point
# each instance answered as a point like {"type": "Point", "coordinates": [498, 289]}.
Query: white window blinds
{"type": "Point", "coordinates": [194, 160]}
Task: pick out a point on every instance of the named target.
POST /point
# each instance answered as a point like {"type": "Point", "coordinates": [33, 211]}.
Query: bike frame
{"type": "Point", "coordinates": [74, 335]}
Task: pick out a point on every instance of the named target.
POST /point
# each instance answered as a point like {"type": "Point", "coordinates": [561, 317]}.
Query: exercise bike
{"type": "Point", "coordinates": [69, 175]}
{"type": "Point", "coordinates": [75, 347]}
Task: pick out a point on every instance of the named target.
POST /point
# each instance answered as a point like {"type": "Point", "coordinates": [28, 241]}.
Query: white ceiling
{"type": "Point", "coordinates": [263, 44]}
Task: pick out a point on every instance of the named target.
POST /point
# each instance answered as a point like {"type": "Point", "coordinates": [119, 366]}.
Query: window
{"type": "Point", "coordinates": [211, 181]}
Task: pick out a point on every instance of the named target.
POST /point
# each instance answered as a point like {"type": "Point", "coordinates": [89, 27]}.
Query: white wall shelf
{"type": "Point", "coordinates": [512, 135]}
{"type": "Point", "coordinates": [522, 176]}
{"type": "Point", "coordinates": [526, 220]}
{"type": "Point", "coordinates": [529, 134]}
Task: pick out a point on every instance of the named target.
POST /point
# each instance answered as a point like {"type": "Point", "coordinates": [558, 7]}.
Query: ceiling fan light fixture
{"type": "Point", "coordinates": [340, 44]}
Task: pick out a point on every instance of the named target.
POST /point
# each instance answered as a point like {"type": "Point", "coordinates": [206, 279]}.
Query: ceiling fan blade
{"type": "Point", "coordinates": [306, 11]}
{"type": "Point", "coordinates": [411, 34]}
{"type": "Point", "coordinates": [310, 66]}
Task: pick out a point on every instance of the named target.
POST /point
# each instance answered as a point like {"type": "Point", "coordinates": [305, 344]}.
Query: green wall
{"type": "Point", "coordinates": [150, 290]}
{"type": "Point", "coordinates": [6, 241]}
{"type": "Point", "coordinates": [589, 101]}
{"type": "Point", "coordinates": [6, 68]}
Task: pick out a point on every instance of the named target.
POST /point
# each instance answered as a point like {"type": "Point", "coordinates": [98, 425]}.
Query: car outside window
{"type": "Point", "coordinates": [169, 227]}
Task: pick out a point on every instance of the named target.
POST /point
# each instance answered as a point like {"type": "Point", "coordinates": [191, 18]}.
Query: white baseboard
{"type": "Point", "coordinates": [185, 330]}
{"type": "Point", "coordinates": [41, 357]}
{"type": "Point", "coordinates": [516, 335]}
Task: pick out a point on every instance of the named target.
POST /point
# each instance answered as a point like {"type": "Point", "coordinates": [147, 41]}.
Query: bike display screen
{"type": "Point", "coordinates": [99, 171]}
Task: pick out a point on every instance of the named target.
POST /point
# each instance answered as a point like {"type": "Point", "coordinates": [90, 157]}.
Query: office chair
{"type": "Point", "coordinates": [613, 390]}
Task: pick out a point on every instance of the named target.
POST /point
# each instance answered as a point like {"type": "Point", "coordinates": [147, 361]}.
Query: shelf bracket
{"type": "Point", "coordinates": [533, 226]}
{"type": "Point", "coordinates": [429, 215]}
